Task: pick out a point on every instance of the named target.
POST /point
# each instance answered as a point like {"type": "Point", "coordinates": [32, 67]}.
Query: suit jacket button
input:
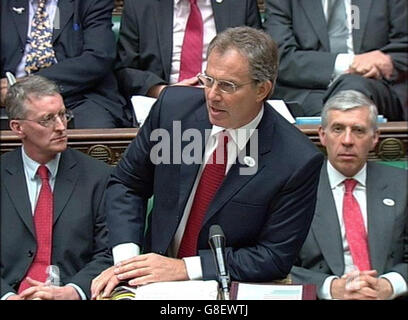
{"type": "Point", "coordinates": [30, 253]}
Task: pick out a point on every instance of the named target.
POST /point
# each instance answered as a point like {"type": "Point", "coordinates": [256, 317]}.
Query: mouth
{"type": "Point", "coordinates": [216, 112]}
{"type": "Point", "coordinates": [59, 139]}
{"type": "Point", "coordinates": [347, 156]}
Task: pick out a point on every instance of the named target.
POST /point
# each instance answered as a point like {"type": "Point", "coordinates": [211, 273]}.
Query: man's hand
{"type": "Point", "coordinates": [151, 267]}
{"type": "Point", "coordinates": [104, 283]}
{"type": "Point", "coordinates": [3, 91]}
{"type": "Point", "coordinates": [41, 291]}
{"type": "Point", "coordinates": [374, 64]}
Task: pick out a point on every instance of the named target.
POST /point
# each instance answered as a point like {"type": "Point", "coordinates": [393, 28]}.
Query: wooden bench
{"type": "Point", "coordinates": [109, 144]}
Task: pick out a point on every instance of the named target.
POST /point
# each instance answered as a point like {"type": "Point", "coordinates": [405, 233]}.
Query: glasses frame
{"type": "Point", "coordinates": [213, 81]}
{"type": "Point", "coordinates": [66, 115]}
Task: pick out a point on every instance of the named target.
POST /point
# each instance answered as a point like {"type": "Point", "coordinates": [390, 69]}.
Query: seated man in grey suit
{"type": "Point", "coordinates": [356, 244]}
{"type": "Point", "coordinates": [52, 210]}
{"type": "Point", "coordinates": [328, 46]}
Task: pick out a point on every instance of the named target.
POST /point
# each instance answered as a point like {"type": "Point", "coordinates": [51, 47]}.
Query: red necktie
{"type": "Point", "coordinates": [192, 49]}
{"type": "Point", "coordinates": [355, 231]}
{"type": "Point", "coordinates": [210, 181]}
{"type": "Point", "coordinates": [43, 216]}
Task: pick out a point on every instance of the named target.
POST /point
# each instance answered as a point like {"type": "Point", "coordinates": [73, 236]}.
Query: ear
{"type": "Point", "coordinates": [376, 138]}
{"type": "Point", "coordinates": [16, 127]}
{"type": "Point", "coordinates": [264, 88]}
{"type": "Point", "coordinates": [322, 136]}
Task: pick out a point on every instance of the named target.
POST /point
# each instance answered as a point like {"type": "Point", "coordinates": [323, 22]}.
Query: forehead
{"type": "Point", "coordinates": [228, 64]}
{"type": "Point", "coordinates": [44, 104]}
{"type": "Point", "coordinates": [352, 117]}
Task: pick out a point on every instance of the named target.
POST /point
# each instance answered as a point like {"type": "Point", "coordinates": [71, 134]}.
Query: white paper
{"type": "Point", "coordinates": [178, 290]}
{"type": "Point", "coordinates": [269, 292]}
{"type": "Point", "coordinates": [280, 106]}
{"type": "Point", "coordinates": [141, 107]}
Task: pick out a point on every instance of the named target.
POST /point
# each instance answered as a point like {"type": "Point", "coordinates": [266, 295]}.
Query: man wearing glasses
{"type": "Point", "coordinates": [265, 213]}
{"type": "Point", "coordinates": [52, 210]}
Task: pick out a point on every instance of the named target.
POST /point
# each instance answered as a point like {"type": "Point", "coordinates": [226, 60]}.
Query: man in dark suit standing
{"type": "Point", "coordinates": [75, 236]}
{"type": "Point", "coordinates": [79, 55]}
{"type": "Point", "coordinates": [149, 50]}
{"type": "Point", "coordinates": [331, 45]}
{"type": "Point", "coordinates": [261, 189]}
{"type": "Point", "coordinates": [331, 257]}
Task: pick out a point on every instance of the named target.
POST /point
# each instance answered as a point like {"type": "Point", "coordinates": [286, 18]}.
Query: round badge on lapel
{"type": "Point", "coordinates": [218, 1]}
{"type": "Point", "coordinates": [249, 161]}
{"type": "Point", "coordinates": [389, 202]}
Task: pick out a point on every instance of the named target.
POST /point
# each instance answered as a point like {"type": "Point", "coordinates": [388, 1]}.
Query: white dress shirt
{"type": "Point", "coordinates": [336, 180]}
{"type": "Point", "coordinates": [180, 17]}
{"type": "Point", "coordinates": [238, 141]}
{"type": "Point", "coordinates": [52, 10]}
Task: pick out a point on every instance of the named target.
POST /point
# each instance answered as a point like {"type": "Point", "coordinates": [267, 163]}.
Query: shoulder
{"type": "Point", "coordinates": [387, 172]}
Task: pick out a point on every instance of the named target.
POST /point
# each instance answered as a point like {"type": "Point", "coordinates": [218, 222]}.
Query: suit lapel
{"type": "Point", "coordinates": [16, 187]}
{"type": "Point", "coordinates": [164, 20]}
{"type": "Point", "coordinates": [62, 16]}
{"type": "Point", "coordinates": [188, 172]}
{"type": "Point", "coordinates": [326, 226]}
{"type": "Point", "coordinates": [65, 182]}
{"type": "Point", "coordinates": [221, 12]}
{"type": "Point", "coordinates": [364, 7]}
{"type": "Point", "coordinates": [380, 218]}
{"type": "Point", "coordinates": [314, 10]}
{"type": "Point", "coordinates": [20, 20]}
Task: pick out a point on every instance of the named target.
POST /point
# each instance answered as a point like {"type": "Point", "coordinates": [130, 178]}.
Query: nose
{"type": "Point", "coordinates": [213, 92]}
{"type": "Point", "coordinates": [60, 124]}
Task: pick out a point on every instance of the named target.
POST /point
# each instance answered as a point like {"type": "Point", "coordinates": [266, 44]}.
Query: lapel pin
{"type": "Point", "coordinates": [218, 1]}
{"type": "Point", "coordinates": [18, 10]}
{"type": "Point", "coordinates": [249, 161]}
{"type": "Point", "coordinates": [389, 202]}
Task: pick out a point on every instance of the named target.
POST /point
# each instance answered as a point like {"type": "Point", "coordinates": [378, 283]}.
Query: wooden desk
{"type": "Point", "coordinates": [109, 144]}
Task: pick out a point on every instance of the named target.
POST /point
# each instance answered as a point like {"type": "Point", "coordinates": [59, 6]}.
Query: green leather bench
{"type": "Point", "coordinates": [116, 25]}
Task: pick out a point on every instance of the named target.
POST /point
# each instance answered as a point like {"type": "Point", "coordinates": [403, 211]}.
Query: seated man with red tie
{"type": "Point", "coordinates": [358, 239]}
{"type": "Point", "coordinates": [213, 155]}
{"type": "Point", "coordinates": [52, 208]}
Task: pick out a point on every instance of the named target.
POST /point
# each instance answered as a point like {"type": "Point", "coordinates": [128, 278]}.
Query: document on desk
{"type": "Point", "coordinates": [141, 107]}
{"type": "Point", "coordinates": [269, 292]}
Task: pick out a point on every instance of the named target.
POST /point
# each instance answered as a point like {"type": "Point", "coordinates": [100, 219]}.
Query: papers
{"type": "Point", "coordinates": [141, 107]}
{"type": "Point", "coordinates": [280, 106]}
{"type": "Point", "coordinates": [269, 292]}
{"type": "Point", "coordinates": [171, 290]}
{"type": "Point", "coordinates": [143, 104]}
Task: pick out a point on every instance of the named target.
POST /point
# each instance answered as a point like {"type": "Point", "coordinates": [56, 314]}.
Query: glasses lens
{"type": "Point", "coordinates": [226, 86]}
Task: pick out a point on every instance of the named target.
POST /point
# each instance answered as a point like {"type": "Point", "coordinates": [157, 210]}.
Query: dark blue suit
{"type": "Point", "coordinates": [265, 216]}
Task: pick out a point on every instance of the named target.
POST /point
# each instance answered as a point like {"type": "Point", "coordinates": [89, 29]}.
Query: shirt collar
{"type": "Point", "coordinates": [336, 177]}
{"type": "Point", "coordinates": [241, 135]}
{"type": "Point", "coordinates": [31, 166]}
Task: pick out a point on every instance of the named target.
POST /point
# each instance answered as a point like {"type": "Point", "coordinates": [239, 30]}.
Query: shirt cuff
{"type": "Point", "coordinates": [343, 62]}
{"type": "Point", "coordinates": [398, 283]}
{"type": "Point", "coordinates": [125, 251]}
{"type": "Point", "coordinates": [79, 290]}
{"type": "Point", "coordinates": [324, 292]}
{"type": "Point", "coordinates": [193, 266]}
{"type": "Point", "coordinates": [8, 294]}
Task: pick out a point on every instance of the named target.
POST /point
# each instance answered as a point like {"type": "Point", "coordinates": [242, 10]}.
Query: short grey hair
{"type": "Point", "coordinates": [349, 99]}
{"type": "Point", "coordinates": [254, 44]}
{"type": "Point", "coordinates": [29, 87]}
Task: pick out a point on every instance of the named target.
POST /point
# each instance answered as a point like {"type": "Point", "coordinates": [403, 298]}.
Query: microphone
{"type": "Point", "coordinates": [216, 240]}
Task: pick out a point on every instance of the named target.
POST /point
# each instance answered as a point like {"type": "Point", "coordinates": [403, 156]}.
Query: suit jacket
{"type": "Point", "coordinates": [79, 230]}
{"type": "Point", "coordinates": [322, 252]}
{"type": "Point", "coordinates": [145, 45]}
{"type": "Point", "coordinates": [300, 29]}
{"type": "Point", "coordinates": [265, 216]}
{"type": "Point", "coordinates": [84, 46]}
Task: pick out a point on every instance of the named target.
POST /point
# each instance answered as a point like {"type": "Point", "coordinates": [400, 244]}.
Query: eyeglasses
{"type": "Point", "coordinates": [224, 85]}
{"type": "Point", "coordinates": [49, 121]}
